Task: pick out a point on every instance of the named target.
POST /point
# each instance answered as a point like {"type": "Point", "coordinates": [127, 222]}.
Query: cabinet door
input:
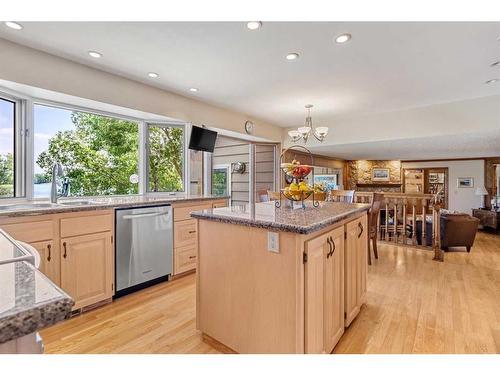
{"type": "Point", "coordinates": [334, 290]}
{"type": "Point", "coordinates": [351, 255]}
{"type": "Point", "coordinates": [49, 260]}
{"type": "Point", "coordinates": [87, 268]}
{"type": "Point", "coordinates": [314, 277]}
{"type": "Point", "coordinates": [362, 248]}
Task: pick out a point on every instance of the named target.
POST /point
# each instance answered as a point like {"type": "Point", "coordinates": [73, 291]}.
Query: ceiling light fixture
{"type": "Point", "coordinates": [153, 75]}
{"type": "Point", "coordinates": [13, 25]}
{"type": "Point", "coordinates": [292, 56]}
{"type": "Point", "coordinates": [492, 80]}
{"type": "Point", "coordinates": [254, 25]}
{"type": "Point", "coordinates": [95, 54]}
{"type": "Point", "coordinates": [343, 38]}
{"type": "Point", "coordinates": [193, 89]}
{"type": "Point", "coordinates": [305, 131]}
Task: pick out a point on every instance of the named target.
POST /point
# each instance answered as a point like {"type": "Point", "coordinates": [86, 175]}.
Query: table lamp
{"type": "Point", "coordinates": [481, 191]}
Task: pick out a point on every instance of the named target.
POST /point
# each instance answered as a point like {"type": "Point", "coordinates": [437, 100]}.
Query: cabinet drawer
{"type": "Point", "coordinates": [76, 226]}
{"type": "Point", "coordinates": [33, 231]}
{"type": "Point", "coordinates": [183, 213]}
{"type": "Point", "coordinates": [184, 259]}
{"type": "Point", "coordinates": [185, 233]}
{"type": "Point", "coordinates": [219, 203]}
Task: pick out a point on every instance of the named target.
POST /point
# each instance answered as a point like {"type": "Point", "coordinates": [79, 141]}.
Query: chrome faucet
{"type": "Point", "coordinates": [57, 174]}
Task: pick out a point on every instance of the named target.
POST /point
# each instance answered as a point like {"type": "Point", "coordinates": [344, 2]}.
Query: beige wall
{"type": "Point", "coordinates": [35, 68]}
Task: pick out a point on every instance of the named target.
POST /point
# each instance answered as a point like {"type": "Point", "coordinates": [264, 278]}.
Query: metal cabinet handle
{"type": "Point", "coordinates": [65, 250]}
{"type": "Point", "coordinates": [362, 229]}
{"type": "Point", "coordinates": [333, 246]}
{"type": "Point", "coordinates": [192, 257]}
{"type": "Point", "coordinates": [192, 231]}
{"type": "Point", "coordinates": [49, 257]}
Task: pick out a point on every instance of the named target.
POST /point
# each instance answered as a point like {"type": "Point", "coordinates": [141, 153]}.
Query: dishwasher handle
{"type": "Point", "coordinates": [138, 216]}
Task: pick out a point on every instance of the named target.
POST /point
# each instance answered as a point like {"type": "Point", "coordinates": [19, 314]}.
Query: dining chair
{"type": "Point", "coordinates": [373, 213]}
{"type": "Point", "coordinates": [342, 196]}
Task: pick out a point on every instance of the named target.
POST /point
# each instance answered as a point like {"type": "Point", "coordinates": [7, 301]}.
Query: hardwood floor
{"type": "Point", "coordinates": [414, 305]}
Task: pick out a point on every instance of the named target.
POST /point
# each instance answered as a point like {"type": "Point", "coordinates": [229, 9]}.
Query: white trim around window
{"type": "Point", "coordinates": [25, 130]}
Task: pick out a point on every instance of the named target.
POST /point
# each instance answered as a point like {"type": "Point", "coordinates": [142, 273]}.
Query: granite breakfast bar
{"type": "Point", "coordinates": [277, 280]}
{"type": "Point", "coordinates": [29, 301]}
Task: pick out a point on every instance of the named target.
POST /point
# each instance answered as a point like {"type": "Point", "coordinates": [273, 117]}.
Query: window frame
{"type": "Point", "coordinates": [25, 139]}
{"type": "Point", "coordinates": [19, 145]}
{"type": "Point", "coordinates": [185, 155]}
{"type": "Point", "coordinates": [76, 108]}
{"type": "Point", "coordinates": [227, 168]}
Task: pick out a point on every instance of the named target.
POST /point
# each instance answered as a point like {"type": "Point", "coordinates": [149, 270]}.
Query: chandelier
{"type": "Point", "coordinates": [305, 131]}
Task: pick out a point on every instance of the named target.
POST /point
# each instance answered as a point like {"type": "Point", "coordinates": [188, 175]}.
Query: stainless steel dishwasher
{"type": "Point", "coordinates": [144, 247]}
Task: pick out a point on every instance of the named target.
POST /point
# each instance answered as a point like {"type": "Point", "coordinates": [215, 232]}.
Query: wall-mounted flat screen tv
{"type": "Point", "coordinates": [202, 139]}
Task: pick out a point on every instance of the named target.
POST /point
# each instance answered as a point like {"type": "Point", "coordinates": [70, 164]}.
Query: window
{"type": "Point", "coordinates": [7, 148]}
{"type": "Point", "coordinates": [221, 180]}
{"type": "Point", "coordinates": [99, 153]}
{"type": "Point", "coordinates": [165, 158]}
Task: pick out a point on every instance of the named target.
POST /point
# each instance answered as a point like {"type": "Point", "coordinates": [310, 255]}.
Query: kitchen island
{"type": "Point", "coordinates": [277, 280]}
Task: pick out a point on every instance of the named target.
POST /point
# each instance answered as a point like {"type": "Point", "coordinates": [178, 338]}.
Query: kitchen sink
{"type": "Point", "coordinates": [76, 203]}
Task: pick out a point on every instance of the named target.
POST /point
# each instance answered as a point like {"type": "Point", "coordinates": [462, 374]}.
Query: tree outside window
{"type": "Point", "coordinates": [165, 158]}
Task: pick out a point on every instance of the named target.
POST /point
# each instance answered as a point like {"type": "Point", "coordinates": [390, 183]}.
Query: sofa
{"type": "Point", "coordinates": [458, 229]}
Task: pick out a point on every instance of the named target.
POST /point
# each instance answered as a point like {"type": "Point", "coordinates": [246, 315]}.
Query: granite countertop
{"type": "Point", "coordinates": [266, 215]}
{"type": "Point", "coordinates": [98, 203]}
{"type": "Point", "coordinates": [29, 301]}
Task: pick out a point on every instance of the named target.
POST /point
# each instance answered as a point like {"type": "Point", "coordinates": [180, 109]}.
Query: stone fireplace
{"type": "Point", "coordinates": [359, 176]}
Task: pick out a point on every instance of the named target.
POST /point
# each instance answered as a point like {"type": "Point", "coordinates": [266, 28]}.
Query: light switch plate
{"type": "Point", "coordinates": [273, 242]}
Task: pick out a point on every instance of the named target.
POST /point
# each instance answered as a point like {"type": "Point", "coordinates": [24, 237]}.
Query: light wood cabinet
{"type": "Point", "coordinates": [355, 267]}
{"type": "Point", "coordinates": [334, 291]}
{"type": "Point", "coordinates": [219, 203]}
{"type": "Point", "coordinates": [75, 250]}
{"type": "Point", "coordinates": [324, 291]}
{"type": "Point", "coordinates": [86, 268]}
{"type": "Point", "coordinates": [50, 262]}
{"type": "Point", "coordinates": [185, 259]}
{"type": "Point", "coordinates": [186, 233]}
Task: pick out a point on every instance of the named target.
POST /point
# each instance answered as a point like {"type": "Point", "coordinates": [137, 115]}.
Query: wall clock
{"type": "Point", "coordinates": [249, 127]}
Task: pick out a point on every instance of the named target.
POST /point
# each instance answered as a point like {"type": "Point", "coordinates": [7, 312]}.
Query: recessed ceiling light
{"type": "Point", "coordinates": [13, 25]}
{"type": "Point", "coordinates": [254, 25]}
{"type": "Point", "coordinates": [95, 54]}
{"type": "Point", "coordinates": [492, 80]}
{"type": "Point", "coordinates": [343, 38]}
{"type": "Point", "coordinates": [193, 89]}
{"type": "Point", "coordinates": [153, 75]}
{"type": "Point", "coordinates": [292, 56]}
{"type": "Point", "coordinates": [496, 63]}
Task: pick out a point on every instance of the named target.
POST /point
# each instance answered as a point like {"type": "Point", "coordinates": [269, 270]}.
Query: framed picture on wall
{"type": "Point", "coordinates": [380, 174]}
{"type": "Point", "coordinates": [465, 182]}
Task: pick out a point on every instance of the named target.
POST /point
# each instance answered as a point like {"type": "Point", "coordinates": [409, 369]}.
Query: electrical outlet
{"type": "Point", "coordinates": [273, 242]}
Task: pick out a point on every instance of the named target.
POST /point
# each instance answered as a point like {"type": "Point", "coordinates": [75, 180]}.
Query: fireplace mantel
{"type": "Point", "coordinates": [379, 184]}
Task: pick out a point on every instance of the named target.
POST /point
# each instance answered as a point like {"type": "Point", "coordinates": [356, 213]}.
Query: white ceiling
{"type": "Point", "coordinates": [470, 145]}
{"type": "Point", "coordinates": [385, 67]}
